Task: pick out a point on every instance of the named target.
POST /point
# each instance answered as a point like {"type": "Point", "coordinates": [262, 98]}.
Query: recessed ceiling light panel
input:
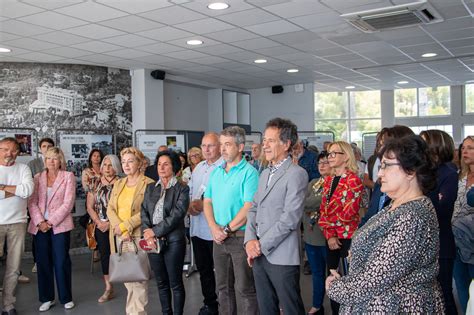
{"type": "Point", "coordinates": [260, 61]}
{"type": "Point", "coordinates": [218, 6]}
{"type": "Point", "coordinates": [292, 70]}
{"type": "Point", "coordinates": [194, 42]}
{"type": "Point", "coordinates": [350, 87]}
{"type": "Point", "coordinates": [402, 82]}
{"type": "Point", "coordinates": [5, 50]}
{"type": "Point", "coordinates": [429, 55]}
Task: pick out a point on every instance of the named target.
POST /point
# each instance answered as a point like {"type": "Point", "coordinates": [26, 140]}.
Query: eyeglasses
{"type": "Point", "coordinates": [323, 162]}
{"type": "Point", "coordinates": [384, 165]}
{"type": "Point", "coordinates": [194, 156]}
{"type": "Point", "coordinates": [334, 153]}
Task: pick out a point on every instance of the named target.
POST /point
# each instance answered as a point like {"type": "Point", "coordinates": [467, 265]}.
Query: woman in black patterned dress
{"type": "Point", "coordinates": [394, 256]}
{"type": "Point", "coordinates": [97, 201]}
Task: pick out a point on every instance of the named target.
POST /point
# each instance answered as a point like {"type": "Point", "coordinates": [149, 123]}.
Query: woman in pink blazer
{"type": "Point", "coordinates": [50, 208]}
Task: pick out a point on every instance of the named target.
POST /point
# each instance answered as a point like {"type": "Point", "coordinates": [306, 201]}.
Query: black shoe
{"type": "Point", "coordinates": [10, 312]}
{"type": "Point", "coordinates": [306, 268]}
{"type": "Point", "coordinates": [320, 311]}
{"type": "Point", "coordinates": [207, 310]}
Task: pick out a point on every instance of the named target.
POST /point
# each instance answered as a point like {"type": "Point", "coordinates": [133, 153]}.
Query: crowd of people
{"type": "Point", "coordinates": [386, 235]}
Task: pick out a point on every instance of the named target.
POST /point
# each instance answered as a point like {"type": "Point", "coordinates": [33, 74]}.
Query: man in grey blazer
{"type": "Point", "coordinates": [37, 165]}
{"type": "Point", "coordinates": [272, 237]}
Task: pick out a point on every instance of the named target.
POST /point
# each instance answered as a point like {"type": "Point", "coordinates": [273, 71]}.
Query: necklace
{"type": "Point", "coordinates": [111, 180]}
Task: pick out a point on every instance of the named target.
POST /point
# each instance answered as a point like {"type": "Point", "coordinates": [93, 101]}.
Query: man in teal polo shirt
{"type": "Point", "coordinates": [228, 197]}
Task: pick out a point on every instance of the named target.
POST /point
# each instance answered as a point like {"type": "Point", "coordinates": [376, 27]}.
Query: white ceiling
{"type": "Point", "coordinates": [305, 34]}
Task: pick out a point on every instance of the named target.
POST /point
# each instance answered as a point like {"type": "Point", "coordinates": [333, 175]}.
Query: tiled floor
{"type": "Point", "coordinates": [87, 287]}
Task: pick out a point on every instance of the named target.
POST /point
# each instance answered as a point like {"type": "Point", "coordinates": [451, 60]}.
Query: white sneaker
{"type": "Point", "coordinates": [34, 270]}
{"type": "Point", "coordinates": [69, 305]}
{"type": "Point", "coordinates": [46, 306]}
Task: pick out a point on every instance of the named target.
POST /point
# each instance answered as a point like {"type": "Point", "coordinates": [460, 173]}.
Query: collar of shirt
{"type": "Point", "coordinates": [171, 183]}
{"type": "Point", "coordinates": [240, 165]}
{"type": "Point", "coordinates": [274, 168]}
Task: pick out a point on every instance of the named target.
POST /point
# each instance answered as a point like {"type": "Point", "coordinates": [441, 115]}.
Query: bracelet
{"type": "Point", "coordinates": [227, 230]}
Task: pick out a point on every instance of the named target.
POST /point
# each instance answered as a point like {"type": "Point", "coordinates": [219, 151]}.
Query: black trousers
{"type": "Point", "coordinates": [277, 285]}
{"type": "Point", "coordinates": [445, 279]}
{"type": "Point", "coordinates": [205, 265]}
{"type": "Point", "coordinates": [103, 245]}
{"type": "Point", "coordinates": [168, 269]}
{"type": "Point", "coordinates": [333, 259]}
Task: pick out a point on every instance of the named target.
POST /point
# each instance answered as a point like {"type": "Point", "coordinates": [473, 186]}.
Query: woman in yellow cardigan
{"type": "Point", "coordinates": [123, 212]}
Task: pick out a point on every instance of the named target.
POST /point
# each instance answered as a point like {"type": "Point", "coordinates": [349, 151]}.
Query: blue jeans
{"type": "Point", "coordinates": [317, 261]}
{"type": "Point", "coordinates": [463, 274]}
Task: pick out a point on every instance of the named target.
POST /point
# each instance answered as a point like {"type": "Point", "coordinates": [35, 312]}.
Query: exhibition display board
{"type": "Point", "coordinates": [369, 142]}
{"type": "Point", "coordinates": [253, 137]}
{"type": "Point", "coordinates": [316, 138]}
{"type": "Point", "coordinates": [28, 140]}
{"type": "Point", "coordinates": [76, 145]}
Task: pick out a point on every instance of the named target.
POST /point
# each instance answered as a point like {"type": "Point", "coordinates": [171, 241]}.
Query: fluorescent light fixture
{"type": "Point", "coordinates": [402, 82]}
{"type": "Point", "coordinates": [292, 70]}
{"type": "Point", "coordinates": [194, 42]}
{"type": "Point", "coordinates": [218, 6]}
{"type": "Point", "coordinates": [428, 55]}
{"type": "Point", "coordinates": [350, 87]}
{"type": "Point", "coordinates": [5, 50]}
{"type": "Point", "coordinates": [260, 61]}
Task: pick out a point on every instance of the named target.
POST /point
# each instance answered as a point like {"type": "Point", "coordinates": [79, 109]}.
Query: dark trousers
{"type": "Point", "coordinates": [317, 260]}
{"type": "Point", "coordinates": [168, 269]}
{"type": "Point", "coordinates": [233, 274]}
{"type": "Point", "coordinates": [277, 285]}
{"type": "Point", "coordinates": [333, 260]}
{"type": "Point", "coordinates": [445, 279]}
{"type": "Point", "coordinates": [205, 265]}
{"type": "Point", "coordinates": [52, 255]}
{"type": "Point", "coordinates": [103, 245]}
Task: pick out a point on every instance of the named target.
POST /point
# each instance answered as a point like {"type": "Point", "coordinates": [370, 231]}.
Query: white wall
{"type": "Point", "coordinates": [298, 107]}
{"type": "Point", "coordinates": [186, 107]}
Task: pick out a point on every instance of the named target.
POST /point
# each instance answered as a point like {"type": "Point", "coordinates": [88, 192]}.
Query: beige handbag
{"type": "Point", "coordinates": [129, 266]}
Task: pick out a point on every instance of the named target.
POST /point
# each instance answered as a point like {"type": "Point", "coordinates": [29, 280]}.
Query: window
{"type": "Point", "coordinates": [422, 102]}
{"type": "Point", "coordinates": [469, 93]}
{"type": "Point", "coordinates": [348, 114]}
{"type": "Point", "coordinates": [468, 130]}
{"type": "Point", "coordinates": [447, 128]}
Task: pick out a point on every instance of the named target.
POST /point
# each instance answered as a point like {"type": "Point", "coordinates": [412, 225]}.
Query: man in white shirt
{"type": "Point", "coordinates": [16, 185]}
{"type": "Point", "coordinates": [199, 230]}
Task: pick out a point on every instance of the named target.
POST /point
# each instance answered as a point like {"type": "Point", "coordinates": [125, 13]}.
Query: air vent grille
{"type": "Point", "coordinates": [392, 21]}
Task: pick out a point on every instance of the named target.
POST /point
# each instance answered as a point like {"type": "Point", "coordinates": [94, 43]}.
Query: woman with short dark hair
{"type": "Point", "coordinates": [163, 210]}
{"type": "Point", "coordinates": [91, 174]}
{"type": "Point", "coordinates": [394, 256]}
{"type": "Point", "coordinates": [441, 148]}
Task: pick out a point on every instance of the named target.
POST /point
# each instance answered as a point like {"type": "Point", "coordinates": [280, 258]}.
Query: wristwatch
{"type": "Point", "coordinates": [227, 230]}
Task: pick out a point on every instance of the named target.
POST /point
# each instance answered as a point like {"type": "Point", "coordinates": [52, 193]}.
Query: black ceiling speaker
{"type": "Point", "coordinates": [158, 74]}
{"type": "Point", "coordinates": [277, 89]}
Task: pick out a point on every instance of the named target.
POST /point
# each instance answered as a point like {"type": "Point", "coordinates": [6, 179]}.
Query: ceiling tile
{"type": "Point", "coordinates": [204, 26]}
{"type": "Point", "coordinates": [131, 24]}
{"type": "Point", "coordinates": [98, 58]}
{"type": "Point", "coordinates": [277, 51]}
{"type": "Point", "coordinates": [159, 48]}
{"type": "Point", "coordinates": [62, 38]}
{"type": "Point", "coordinates": [273, 28]}
{"type": "Point", "coordinates": [31, 44]}
{"type": "Point", "coordinates": [220, 49]}
{"type": "Point", "coordinates": [22, 28]}
{"type": "Point", "coordinates": [248, 17]}
{"type": "Point", "coordinates": [129, 40]}
{"type": "Point", "coordinates": [317, 20]}
{"type": "Point", "coordinates": [207, 42]}
{"type": "Point", "coordinates": [6, 36]}
{"type": "Point", "coordinates": [127, 53]}
{"type": "Point", "coordinates": [232, 35]}
{"type": "Point", "coordinates": [67, 52]}
{"type": "Point", "coordinates": [132, 7]}
{"type": "Point", "coordinates": [457, 43]}
{"type": "Point", "coordinates": [186, 54]}
{"type": "Point", "coordinates": [295, 37]}
{"type": "Point", "coordinates": [91, 11]}
{"type": "Point", "coordinates": [156, 59]}
{"type": "Point", "coordinates": [39, 57]}
{"type": "Point", "coordinates": [239, 56]}
{"type": "Point", "coordinates": [96, 46]}
{"type": "Point", "coordinates": [52, 4]}
{"type": "Point", "coordinates": [450, 35]}
{"type": "Point", "coordinates": [165, 34]}
{"type": "Point", "coordinates": [210, 60]}
{"type": "Point", "coordinates": [454, 24]}
{"type": "Point", "coordinates": [256, 43]}
{"type": "Point", "coordinates": [15, 9]}
{"type": "Point", "coordinates": [173, 15]}
{"type": "Point", "coordinates": [52, 20]}
{"type": "Point", "coordinates": [94, 31]}
{"type": "Point", "coordinates": [289, 9]}
{"type": "Point", "coordinates": [201, 6]}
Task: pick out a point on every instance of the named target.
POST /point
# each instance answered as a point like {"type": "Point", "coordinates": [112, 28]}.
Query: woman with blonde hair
{"type": "Point", "coordinates": [194, 157]}
{"type": "Point", "coordinates": [123, 212]}
{"type": "Point", "coordinates": [97, 201]}
{"type": "Point", "coordinates": [50, 208]}
{"type": "Point", "coordinates": [339, 211]}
